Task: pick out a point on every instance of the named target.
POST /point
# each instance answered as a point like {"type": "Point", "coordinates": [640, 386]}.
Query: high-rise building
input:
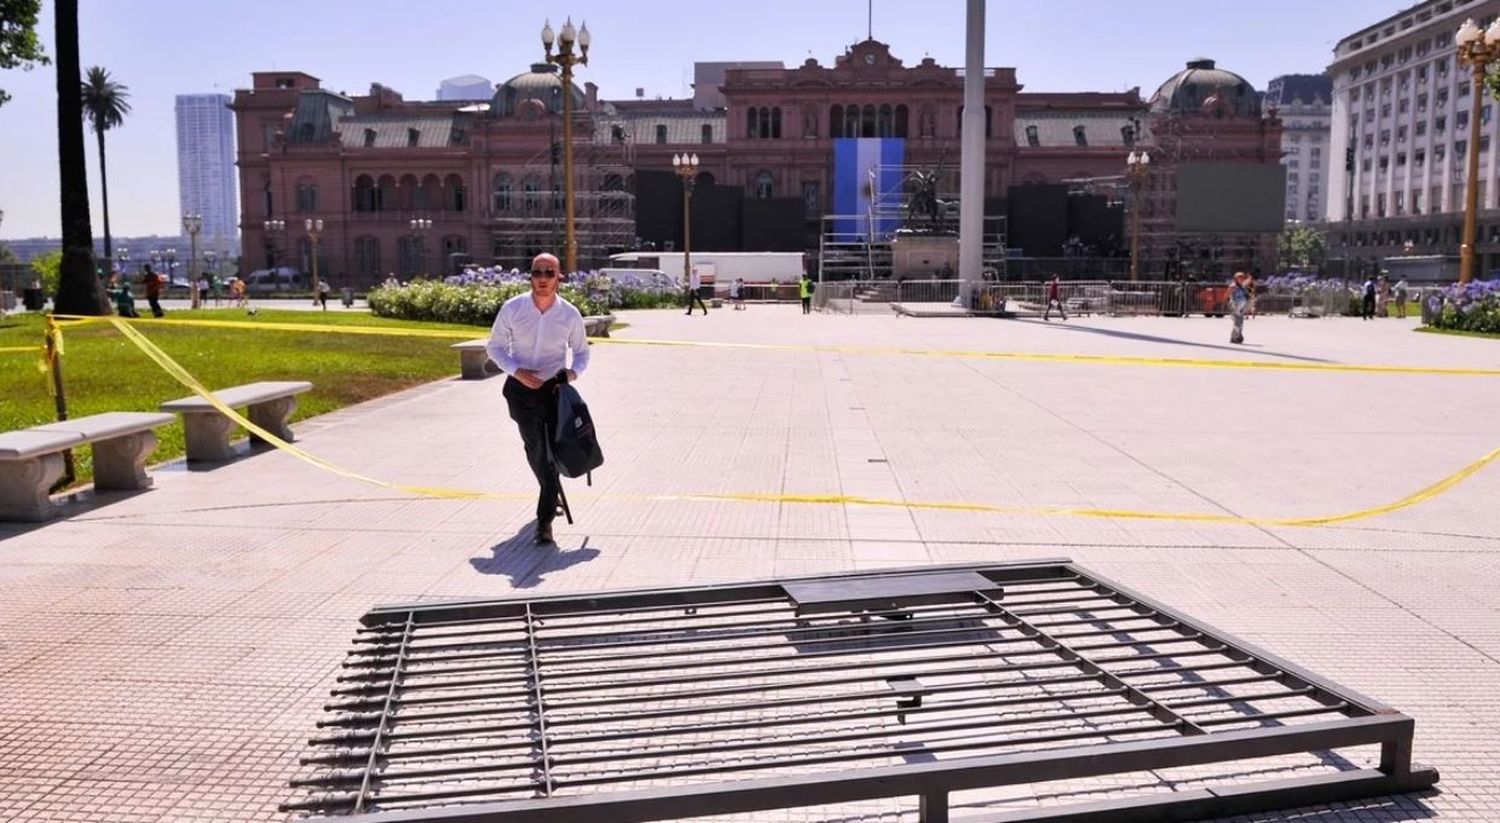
{"type": "Point", "coordinates": [206, 176]}
{"type": "Point", "coordinates": [1400, 140]}
{"type": "Point", "coordinates": [1304, 104]}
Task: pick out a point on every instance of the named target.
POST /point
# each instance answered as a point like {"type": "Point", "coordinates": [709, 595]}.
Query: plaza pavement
{"type": "Point", "coordinates": [165, 655]}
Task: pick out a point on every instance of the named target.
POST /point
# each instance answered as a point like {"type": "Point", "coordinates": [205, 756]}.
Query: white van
{"type": "Point", "coordinates": [282, 279]}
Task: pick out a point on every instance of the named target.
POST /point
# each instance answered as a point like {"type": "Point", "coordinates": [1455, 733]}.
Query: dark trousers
{"type": "Point", "coordinates": [1367, 307]}
{"type": "Point", "coordinates": [156, 310]}
{"type": "Point", "coordinates": [807, 305]}
{"type": "Point", "coordinates": [694, 297]}
{"type": "Point", "coordinates": [1053, 301]}
{"type": "Point", "coordinates": [535, 413]}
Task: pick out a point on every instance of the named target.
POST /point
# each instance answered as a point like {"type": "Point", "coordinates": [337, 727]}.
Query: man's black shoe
{"type": "Point", "coordinates": [543, 533]}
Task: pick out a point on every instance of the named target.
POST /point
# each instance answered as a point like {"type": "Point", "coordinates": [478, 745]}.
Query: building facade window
{"type": "Point", "coordinates": [500, 195]}
{"type": "Point", "coordinates": [661, 133]}
{"type": "Point", "coordinates": [765, 185]}
{"type": "Point", "coordinates": [811, 205]}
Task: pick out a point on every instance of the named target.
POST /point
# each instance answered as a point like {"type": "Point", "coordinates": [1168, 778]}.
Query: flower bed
{"type": "Point", "coordinates": [1473, 307]}
{"type": "Point", "coordinates": [475, 296]}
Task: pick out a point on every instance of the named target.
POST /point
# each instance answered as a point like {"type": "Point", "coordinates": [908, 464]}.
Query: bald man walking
{"type": "Point", "coordinates": [533, 336]}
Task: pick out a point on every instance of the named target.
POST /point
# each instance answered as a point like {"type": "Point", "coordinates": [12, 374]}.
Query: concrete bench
{"type": "Point", "coordinates": [598, 325]}
{"type": "Point", "coordinates": [473, 361]}
{"type": "Point", "coordinates": [31, 459]}
{"type": "Point", "coordinates": [270, 404]}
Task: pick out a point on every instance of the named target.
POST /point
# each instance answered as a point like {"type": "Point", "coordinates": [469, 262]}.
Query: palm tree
{"type": "Point", "coordinates": [104, 105]}
{"type": "Point", "coordinates": [78, 290]}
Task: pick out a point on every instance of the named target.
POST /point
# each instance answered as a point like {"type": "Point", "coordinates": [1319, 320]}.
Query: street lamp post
{"type": "Point", "coordinates": [122, 254]}
{"type": "Point", "coordinates": [686, 166]}
{"type": "Point", "coordinates": [567, 60]}
{"type": "Point", "coordinates": [1137, 169]}
{"type": "Point", "coordinates": [314, 228]}
{"type": "Point", "coordinates": [211, 259]}
{"type": "Point", "coordinates": [192, 224]}
{"type": "Point", "coordinates": [1476, 49]}
{"type": "Point", "coordinates": [273, 228]}
{"type": "Point", "coordinates": [419, 226]}
{"type": "Point", "coordinates": [169, 259]}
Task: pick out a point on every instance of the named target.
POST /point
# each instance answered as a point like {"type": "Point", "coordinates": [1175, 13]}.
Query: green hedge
{"type": "Point", "coordinates": [472, 305]}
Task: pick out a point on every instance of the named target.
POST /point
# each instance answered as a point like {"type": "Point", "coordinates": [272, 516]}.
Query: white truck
{"type": "Point", "coordinates": [719, 266]}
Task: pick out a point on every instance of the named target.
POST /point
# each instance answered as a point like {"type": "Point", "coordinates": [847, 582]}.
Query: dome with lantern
{"type": "Point", "coordinates": [543, 83]}
{"type": "Point", "coordinates": [1205, 88]}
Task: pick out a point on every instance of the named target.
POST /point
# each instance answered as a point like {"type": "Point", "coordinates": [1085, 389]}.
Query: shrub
{"type": "Point", "coordinates": [1474, 306]}
{"type": "Point", "coordinates": [474, 297]}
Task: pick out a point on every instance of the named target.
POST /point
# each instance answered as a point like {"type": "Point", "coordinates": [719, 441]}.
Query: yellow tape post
{"type": "Point", "coordinates": [182, 376]}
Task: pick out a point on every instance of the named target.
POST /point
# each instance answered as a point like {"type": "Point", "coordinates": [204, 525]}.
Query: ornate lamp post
{"type": "Point", "coordinates": [567, 60]}
{"type": "Point", "coordinates": [1476, 49]}
{"type": "Point", "coordinates": [419, 227]}
{"type": "Point", "coordinates": [1137, 169]}
{"type": "Point", "coordinates": [273, 228]}
{"type": "Point", "coordinates": [122, 255]}
{"type": "Point", "coordinates": [192, 224]}
{"type": "Point", "coordinates": [314, 228]}
{"type": "Point", "coordinates": [686, 166]}
{"type": "Point", "coordinates": [169, 259]}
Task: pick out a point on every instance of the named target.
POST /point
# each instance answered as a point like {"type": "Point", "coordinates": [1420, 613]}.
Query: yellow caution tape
{"type": "Point", "coordinates": [19, 349]}
{"type": "Point", "coordinates": [1106, 359]}
{"type": "Point", "coordinates": [182, 376]}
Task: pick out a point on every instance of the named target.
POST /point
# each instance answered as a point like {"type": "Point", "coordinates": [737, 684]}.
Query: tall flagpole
{"type": "Point", "coordinates": [971, 158]}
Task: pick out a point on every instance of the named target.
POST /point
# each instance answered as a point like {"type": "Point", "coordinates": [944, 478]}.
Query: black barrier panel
{"type": "Point", "coordinates": [664, 704]}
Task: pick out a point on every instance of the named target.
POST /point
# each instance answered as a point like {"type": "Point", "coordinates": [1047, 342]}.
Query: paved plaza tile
{"type": "Point", "coordinates": [167, 653]}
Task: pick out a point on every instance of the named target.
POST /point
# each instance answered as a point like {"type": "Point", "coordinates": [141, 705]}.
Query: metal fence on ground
{"type": "Point", "coordinates": [1084, 297]}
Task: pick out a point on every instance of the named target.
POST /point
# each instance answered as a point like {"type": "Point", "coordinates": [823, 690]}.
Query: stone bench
{"type": "Point", "coordinates": [270, 404]}
{"type": "Point", "coordinates": [598, 325]}
{"type": "Point", "coordinates": [473, 361]}
{"type": "Point", "coordinates": [31, 459]}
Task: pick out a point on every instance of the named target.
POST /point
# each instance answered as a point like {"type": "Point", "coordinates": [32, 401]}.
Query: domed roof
{"type": "Point", "coordinates": [1201, 82]}
{"type": "Point", "coordinates": [543, 83]}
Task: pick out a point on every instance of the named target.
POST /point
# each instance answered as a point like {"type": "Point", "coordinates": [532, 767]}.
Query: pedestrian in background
{"type": "Point", "coordinates": [322, 295]}
{"type": "Point", "coordinates": [1402, 291]}
{"type": "Point", "coordinates": [1239, 305]}
{"type": "Point", "coordinates": [805, 289]}
{"type": "Point", "coordinates": [153, 284]}
{"type": "Point", "coordinates": [1367, 298]}
{"type": "Point", "coordinates": [737, 293]}
{"type": "Point", "coordinates": [694, 295]}
{"type": "Point", "coordinates": [1382, 297]}
{"type": "Point", "coordinates": [1054, 298]}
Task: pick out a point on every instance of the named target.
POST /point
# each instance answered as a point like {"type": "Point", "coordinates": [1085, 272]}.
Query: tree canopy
{"type": "Point", "coordinates": [19, 46]}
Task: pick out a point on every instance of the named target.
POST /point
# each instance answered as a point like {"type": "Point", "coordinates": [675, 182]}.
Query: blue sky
{"type": "Point", "coordinates": [162, 48]}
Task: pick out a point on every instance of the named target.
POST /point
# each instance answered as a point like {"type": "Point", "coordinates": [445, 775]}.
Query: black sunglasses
{"type": "Point", "coordinates": [544, 272]}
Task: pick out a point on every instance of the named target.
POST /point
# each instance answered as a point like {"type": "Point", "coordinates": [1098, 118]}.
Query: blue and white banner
{"type": "Point", "coordinates": [867, 181]}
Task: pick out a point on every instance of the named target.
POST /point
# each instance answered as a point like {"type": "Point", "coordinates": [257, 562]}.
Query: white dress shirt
{"type": "Point", "coordinates": [524, 337]}
{"type": "Point", "coordinates": [695, 281]}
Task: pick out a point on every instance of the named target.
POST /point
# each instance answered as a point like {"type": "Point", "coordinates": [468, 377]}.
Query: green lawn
{"type": "Point", "coordinates": [104, 372]}
{"type": "Point", "coordinates": [1458, 332]}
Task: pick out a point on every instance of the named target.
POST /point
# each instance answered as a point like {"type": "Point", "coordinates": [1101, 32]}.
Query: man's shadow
{"type": "Point", "coordinates": [526, 563]}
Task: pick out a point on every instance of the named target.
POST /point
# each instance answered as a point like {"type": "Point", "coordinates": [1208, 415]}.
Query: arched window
{"type": "Point", "coordinates": [307, 195]}
{"type": "Point", "coordinates": [752, 122]}
{"type": "Point", "coordinates": [704, 179]}
{"type": "Point", "coordinates": [500, 193]}
{"type": "Point", "coordinates": [431, 193]}
{"type": "Point", "coordinates": [305, 132]}
{"type": "Point", "coordinates": [409, 256]}
{"type": "Point", "coordinates": [385, 193]}
{"type": "Point", "coordinates": [458, 196]}
{"type": "Point", "coordinates": [776, 123]}
{"type": "Point", "coordinates": [765, 185]}
{"type": "Point", "coordinates": [836, 121]}
{"type": "Point", "coordinates": [364, 193]}
{"type": "Point", "coordinates": [867, 121]}
{"type": "Point", "coordinates": [661, 133]}
{"type": "Point", "coordinates": [707, 132]}
{"type": "Point", "coordinates": [406, 192]}
{"type": "Point", "coordinates": [901, 117]}
{"type": "Point", "coordinates": [851, 121]}
{"type": "Point", "coordinates": [530, 194]}
{"type": "Point", "coordinates": [885, 121]}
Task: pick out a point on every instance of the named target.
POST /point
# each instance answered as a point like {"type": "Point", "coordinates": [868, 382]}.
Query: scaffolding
{"type": "Point", "coordinates": [532, 221]}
